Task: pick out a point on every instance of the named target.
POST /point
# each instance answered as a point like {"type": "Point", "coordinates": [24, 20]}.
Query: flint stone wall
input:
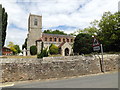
{"type": "Point", "coordinates": [57, 67]}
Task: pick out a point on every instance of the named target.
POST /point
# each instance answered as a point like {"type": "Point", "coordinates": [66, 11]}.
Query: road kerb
{"type": "Point", "coordinates": [6, 85]}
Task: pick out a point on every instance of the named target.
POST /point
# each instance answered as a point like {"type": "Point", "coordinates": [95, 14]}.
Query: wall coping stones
{"type": "Point", "coordinates": [54, 59]}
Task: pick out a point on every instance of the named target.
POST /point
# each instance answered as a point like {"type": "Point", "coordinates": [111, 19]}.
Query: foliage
{"type": "Point", "coordinates": [4, 25]}
{"type": "Point", "coordinates": [17, 48]}
{"type": "Point", "coordinates": [44, 53]}
{"type": "Point", "coordinates": [90, 30]}
{"type": "Point", "coordinates": [53, 49]}
{"type": "Point", "coordinates": [54, 32]}
{"type": "Point", "coordinates": [33, 50]}
{"type": "Point", "coordinates": [107, 30]}
{"type": "Point", "coordinates": [11, 46]}
{"type": "Point", "coordinates": [83, 44]}
{"type": "Point", "coordinates": [109, 33]}
{"type": "Point", "coordinates": [75, 33]}
{"type": "Point", "coordinates": [25, 44]}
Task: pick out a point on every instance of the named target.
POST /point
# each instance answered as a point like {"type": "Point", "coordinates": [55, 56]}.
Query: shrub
{"type": "Point", "coordinates": [83, 44]}
{"type": "Point", "coordinates": [33, 50]}
{"type": "Point", "coordinates": [44, 53]}
{"type": "Point", "coordinates": [53, 49]}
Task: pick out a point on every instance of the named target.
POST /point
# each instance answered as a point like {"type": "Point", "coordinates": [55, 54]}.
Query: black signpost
{"type": "Point", "coordinates": [0, 30]}
{"type": "Point", "coordinates": [97, 47]}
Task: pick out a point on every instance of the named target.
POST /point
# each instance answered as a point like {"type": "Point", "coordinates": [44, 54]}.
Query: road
{"type": "Point", "coordinates": [109, 80]}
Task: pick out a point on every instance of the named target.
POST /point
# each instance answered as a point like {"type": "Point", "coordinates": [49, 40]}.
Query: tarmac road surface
{"type": "Point", "coordinates": [109, 80]}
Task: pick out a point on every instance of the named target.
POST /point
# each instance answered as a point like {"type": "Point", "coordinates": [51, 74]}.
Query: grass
{"type": "Point", "coordinates": [19, 56]}
{"type": "Point", "coordinates": [58, 55]}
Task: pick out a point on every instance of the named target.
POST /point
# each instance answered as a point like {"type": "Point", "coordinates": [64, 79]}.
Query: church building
{"type": "Point", "coordinates": [37, 37]}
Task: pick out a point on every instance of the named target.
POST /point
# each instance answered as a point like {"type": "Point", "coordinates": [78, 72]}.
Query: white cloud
{"type": "Point", "coordinates": [15, 35]}
{"type": "Point", "coordinates": [74, 13]}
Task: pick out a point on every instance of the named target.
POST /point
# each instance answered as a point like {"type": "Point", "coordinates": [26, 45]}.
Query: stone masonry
{"type": "Point", "coordinates": [53, 67]}
{"type": "Point", "coordinates": [34, 30]}
{"type": "Point", "coordinates": [36, 37]}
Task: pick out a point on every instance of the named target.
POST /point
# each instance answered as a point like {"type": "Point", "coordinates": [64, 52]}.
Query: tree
{"type": "Point", "coordinates": [109, 31]}
{"type": "Point", "coordinates": [47, 31]}
{"type": "Point", "coordinates": [75, 33]}
{"type": "Point", "coordinates": [4, 25]}
{"type": "Point", "coordinates": [33, 50]}
{"type": "Point", "coordinates": [25, 44]}
{"type": "Point", "coordinates": [83, 44]}
{"type": "Point", "coordinates": [44, 53]}
{"type": "Point", "coordinates": [17, 48]}
{"type": "Point", "coordinates": [54, 32]}
{"type": "Point", "coordinates": [90, 30]}
{"type": "Point", "coordinates": [11, 46]}
{"type": "Point", "coordinates": [53, 49]}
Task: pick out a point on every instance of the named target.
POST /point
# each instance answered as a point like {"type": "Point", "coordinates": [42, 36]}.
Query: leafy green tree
{"type": "Point", "coordinates": [4, 25]}
{"type": "Point", "coordinates": [109, 31]}
{"type": "Point", "coordinates": [17, 49]}
{"type": "Point", "coordinates": [33, 50]}
{"type": "Point", "coordinates": [53, 49]}
{"type": "Point", "coordinates": [48, 31]}
{"type": "Point", "coordinates": [90, 30]}
{"type": "Point", "coordinates": [75, 33]}
{"type": "Point", "coordinates": [54, 32]}
{"type": "Point", "coordinates": [44, 53]}
{"type": "Point", "coordinates": [11, 46]}
{"type": "Point", "coordinates": [83, 44]}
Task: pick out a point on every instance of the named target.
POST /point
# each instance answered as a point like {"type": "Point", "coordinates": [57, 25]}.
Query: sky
{"type": "Point", "coordinates": [65, 15]}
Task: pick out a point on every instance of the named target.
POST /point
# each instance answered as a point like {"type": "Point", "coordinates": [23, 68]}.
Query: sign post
{"type": "Point", "coordinates": [97, 47]}
{"type": "Point", "coordinates": [103, 69]}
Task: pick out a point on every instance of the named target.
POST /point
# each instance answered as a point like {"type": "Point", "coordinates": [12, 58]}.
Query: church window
{"type": "Point", "coordinates": [45, 38]}
{"type": "Point", "coordinates": [35, 22]}
{"type": "Point", "coordinates": [50, 39]}
{"type": "Point", "coordinates": [67, 40]}
{"type": "Point", "coordinates": [55, 39]}
{"type": "Point", "coordinates": [59, 39]}
{"type": "Point", "coordinates": [63, 40]}
{"type": "Point", "coordinates": [71, 40]}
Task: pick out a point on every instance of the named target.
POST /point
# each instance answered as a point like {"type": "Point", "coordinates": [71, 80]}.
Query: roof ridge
{"type": "Point", "coordinates": [58, 34]}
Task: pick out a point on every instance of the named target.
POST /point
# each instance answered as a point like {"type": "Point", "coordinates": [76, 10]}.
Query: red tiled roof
{"type": "Point", "coordinates": [61, 44]}
{"type": "Point", "coordinates": [46, 34]}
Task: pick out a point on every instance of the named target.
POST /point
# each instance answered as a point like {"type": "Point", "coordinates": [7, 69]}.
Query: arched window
{"type": "Point", "coordinates": [63, 40]}
{"type": "Point", "coordinates": [45, 38]}
{"type": "Point", "coordinates": [55, 39]}
{"type": "Point", "coordinates": [71, 40]}
{"type": "Point", "coordinates": [35, 22]}
{"type": "Point", "coordinates": [50, 39]}
{"type": "Point", "coordinates": [59, 39]}
{"type": "Point", "coordinates": [67, 40]}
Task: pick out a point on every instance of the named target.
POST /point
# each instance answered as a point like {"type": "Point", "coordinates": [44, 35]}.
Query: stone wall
{"type": "Point", "coordinates": [57, 67]}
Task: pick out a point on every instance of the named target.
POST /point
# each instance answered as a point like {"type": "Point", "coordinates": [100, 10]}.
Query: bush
{"type": "Point", "coordinates": [33, 50]}
{"type": "Point", "coordinates": [53, 49]}
{"type": "Point", "coordinates": [83, 44]}
{"type": "Point", "coordinates": [44, 53]}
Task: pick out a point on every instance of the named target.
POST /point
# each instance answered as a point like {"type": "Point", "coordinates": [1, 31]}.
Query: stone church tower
{"type": "Point", "coordinates": [34, 30]}
{"type": "Point", "coordinates": [44, 40]}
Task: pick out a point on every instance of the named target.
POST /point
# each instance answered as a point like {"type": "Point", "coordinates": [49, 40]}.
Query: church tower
{"type": "Point", "coordinates": [34, 30]}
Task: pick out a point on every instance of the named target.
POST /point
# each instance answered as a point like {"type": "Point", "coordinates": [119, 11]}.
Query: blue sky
{"type": "Point", "coordinates": [65, 15]}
